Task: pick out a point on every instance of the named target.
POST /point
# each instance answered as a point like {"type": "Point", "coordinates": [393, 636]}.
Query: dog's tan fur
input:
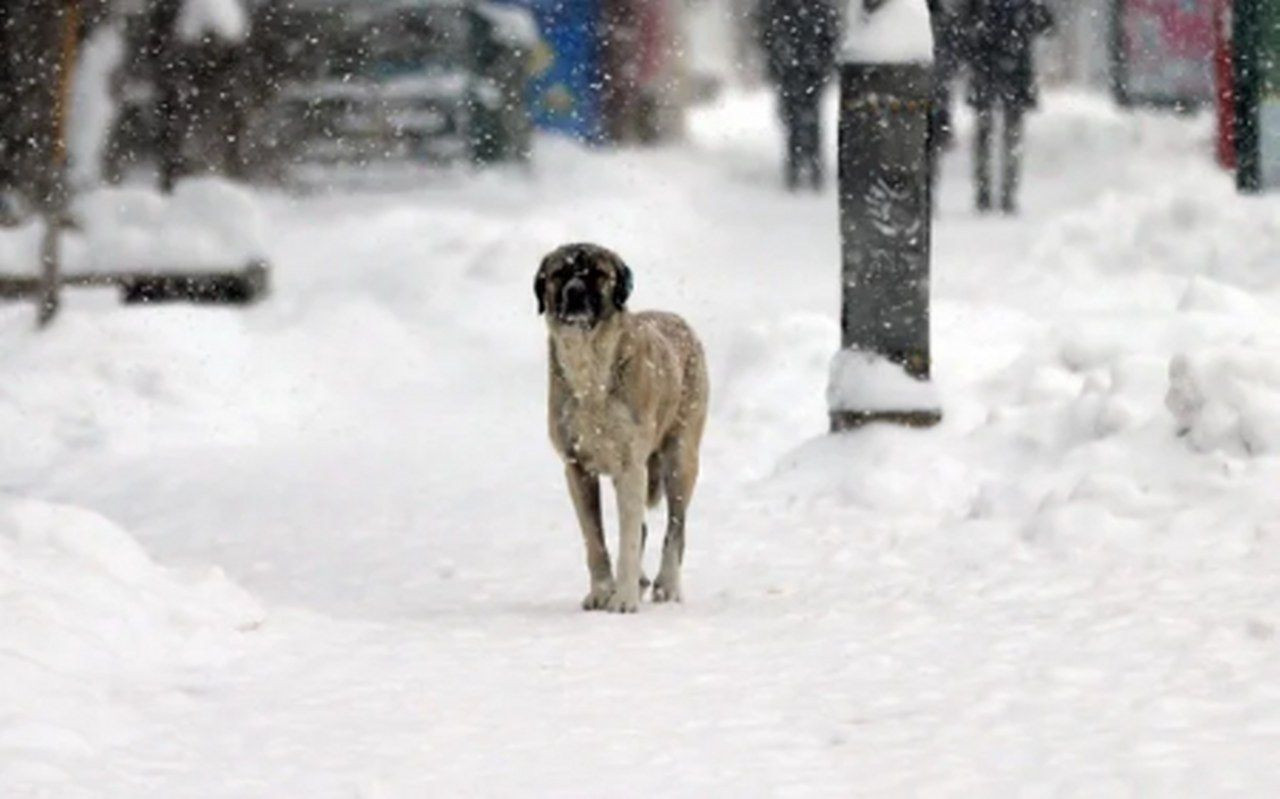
{"type": "Point", "coordinates": [628, 399]}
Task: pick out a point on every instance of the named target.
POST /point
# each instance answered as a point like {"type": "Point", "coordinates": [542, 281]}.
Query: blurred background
{"type": "Point", "coordinates": [283, 90]}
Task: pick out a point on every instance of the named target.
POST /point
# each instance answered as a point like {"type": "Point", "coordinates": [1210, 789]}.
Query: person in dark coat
{"type": "Point", "coordinates": [999, 40]}
{"type": "Point", "coordinates": [799, 40]}
{"type": "Point", "coordinates": [946, 63]}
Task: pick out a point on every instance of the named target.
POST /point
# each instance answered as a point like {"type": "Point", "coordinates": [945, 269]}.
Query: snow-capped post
{"type": "Point", "coordinates": [881, 374]}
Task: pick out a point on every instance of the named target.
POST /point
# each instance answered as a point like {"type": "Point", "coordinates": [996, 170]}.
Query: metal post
{"type": "Point", "coordinates": [1246, 35]}
{"type": "Point", "coordinates": [1118, 54]}
{"type": "Point", "coordinates": [885, 229]}
{"type": "Point", "coordinates": [48, 301]}
{"type": "Point", "coordinates": [55, 203]}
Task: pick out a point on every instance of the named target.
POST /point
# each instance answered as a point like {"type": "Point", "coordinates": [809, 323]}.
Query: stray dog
{"type": "Point", "coordinates": [628, 400]}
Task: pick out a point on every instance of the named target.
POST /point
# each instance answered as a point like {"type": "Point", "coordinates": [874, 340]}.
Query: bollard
{"type": "Point", "coordinates": [1256, 40]}
{"type": "Point", "coordinates": [1246, 36]}
{"type": "Point", "coordinates": [882, 373]}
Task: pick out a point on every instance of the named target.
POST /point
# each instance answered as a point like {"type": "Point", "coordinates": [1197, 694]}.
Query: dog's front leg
{"type": "Point", "coordinates": [584, 487]}
{"type": "Point", "coordinates": [630, 487]}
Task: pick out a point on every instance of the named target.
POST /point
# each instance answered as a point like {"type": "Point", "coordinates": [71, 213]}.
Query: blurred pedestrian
{"type": "Point", "coordinates": [799, 41]}
{"type": "Point", "coordinates": [639, 53]}
{"type": "Point", "coordinates": [998, 39]}
{"type": "Point", "coordinates": [946, 64]}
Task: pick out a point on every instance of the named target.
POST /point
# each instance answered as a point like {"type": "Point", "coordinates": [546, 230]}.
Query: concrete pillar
{"type": "Point", "coordinates": [883, 370]}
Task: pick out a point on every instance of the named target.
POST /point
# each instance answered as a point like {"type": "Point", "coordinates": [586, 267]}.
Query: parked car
{"type": "Point", "coordinates": [353, 83]}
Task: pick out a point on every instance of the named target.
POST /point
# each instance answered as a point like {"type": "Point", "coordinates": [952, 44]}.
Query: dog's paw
{"type": "Point", "coordinates": [598, 597]}
{"type": "Point", "coordinates": [624, 601]}
{"type": "Point", "coordinates": [666, 589]}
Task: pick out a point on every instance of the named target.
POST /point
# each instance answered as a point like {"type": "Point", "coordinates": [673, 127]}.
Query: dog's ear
{"type": "Point", "coordinates": [540, 286]}
{"type": "Point", "coordinates": [623, 284]}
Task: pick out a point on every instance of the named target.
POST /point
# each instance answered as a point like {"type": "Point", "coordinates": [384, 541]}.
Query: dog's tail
{"type": "Point", "coordinates": [655, 479]}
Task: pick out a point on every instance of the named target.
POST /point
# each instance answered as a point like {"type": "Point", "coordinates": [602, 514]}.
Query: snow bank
{"type": "Point", "coordinates": [20, 247]}
{"type": "Point", "coordinates": [1205, 295]}
{"type": "Point", "coordinates": [769, 384]}
{"type": "Point", "coordinates": [1189, 226]}
{"type": "Point", "coordinates": [896, 33]}
{"type": "Point", "coordinates": [1227, 399]}
{"type": "Point", "coordinates": [206, 223]}
{"type": "Point", "coordinates": [864, 381]}
{"type": "Point", "coordinates": [882, 469]}
{"type": "Point", "coordinates": [222, 19]}
{"type": "Point", "coordinates": [92, 630]}
{"type": "Point", "coordinates": [82, 596]}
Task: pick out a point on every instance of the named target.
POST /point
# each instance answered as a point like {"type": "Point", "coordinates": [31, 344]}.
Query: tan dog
{"type": "Point", "coordinates": [628, 400]}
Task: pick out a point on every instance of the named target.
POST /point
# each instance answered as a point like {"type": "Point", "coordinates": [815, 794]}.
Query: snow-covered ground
{"type": "Point", "coordinates": [351, 570]}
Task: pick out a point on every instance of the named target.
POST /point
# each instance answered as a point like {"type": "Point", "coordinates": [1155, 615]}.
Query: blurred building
{"type": "Point", "coordinates": [1163, 52]}
{"type": "Point", "coordinates": [1078, 52]}
{"type": "Point", "coordinates": [612, 71]}
{"type": "Point", "coordinates": [284, 86]}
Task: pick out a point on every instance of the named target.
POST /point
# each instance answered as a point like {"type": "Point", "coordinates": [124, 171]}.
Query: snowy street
{"type": "Point", "coordinates": [322, 547]}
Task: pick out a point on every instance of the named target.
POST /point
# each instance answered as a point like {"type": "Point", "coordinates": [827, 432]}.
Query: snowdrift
{"type": "Point", "coordinates": [206, 223]}
{"type": "Point", "coordinates": [93, 630]}
{"type": "Point", "coordinates": [1227, 400]}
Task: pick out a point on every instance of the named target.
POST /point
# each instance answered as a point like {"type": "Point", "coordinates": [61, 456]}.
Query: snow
{"type": "Point", "coordinates": [1227, 399]}
{"type": "Point", "coordinates": [415, 88]}
{"type": "Point", "coordinates": [712, 24]}
{"type": "Point", "coordinates": [865, 381]}
{"type": "Point", "coordinates": [511, 24]}
{"type": "Point", "coordinates": [897, 32]}
{"type": "Point", "coordinates": [20, 247]}
{"type": "Point", "coordinates": [220, 19]}
{"type": "Point", "coordinates": [1067, 587]}
{"type": "Point", "coordinates": [93, 630]}
{"type": "Point", "coordinates": [205, 223]}
{"type": "Point", "coordinates": [1269, 121]}
{"type": "Point", "coordinates": [92, 110]}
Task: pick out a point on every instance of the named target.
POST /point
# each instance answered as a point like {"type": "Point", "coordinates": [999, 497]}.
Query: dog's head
{"type": "Point", "coordinates": [582, 285]}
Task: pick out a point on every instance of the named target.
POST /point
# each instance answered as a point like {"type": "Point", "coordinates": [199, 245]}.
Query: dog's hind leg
{"type": "Point", "coordinates": [653, 470]}
{"type": "Point", "coordinates": [680, 474]}
{"type": "Point", "coordinates": [585, 490]}
{"type": "Point", "coordinates": [645, 582]}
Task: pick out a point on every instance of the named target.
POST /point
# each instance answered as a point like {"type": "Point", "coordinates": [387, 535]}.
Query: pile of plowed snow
{"type": "Point", "coordinates": [91, 632]}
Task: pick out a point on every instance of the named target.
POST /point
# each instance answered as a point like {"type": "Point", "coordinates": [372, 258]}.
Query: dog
{"type": "Point", "coordinates": [628, 400]}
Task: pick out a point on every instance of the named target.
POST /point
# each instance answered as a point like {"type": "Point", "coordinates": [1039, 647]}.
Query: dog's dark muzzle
{"type": "Point", "coordinates": [574, 296]}
{"type": "Point", "coordinates": [578, 304]}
